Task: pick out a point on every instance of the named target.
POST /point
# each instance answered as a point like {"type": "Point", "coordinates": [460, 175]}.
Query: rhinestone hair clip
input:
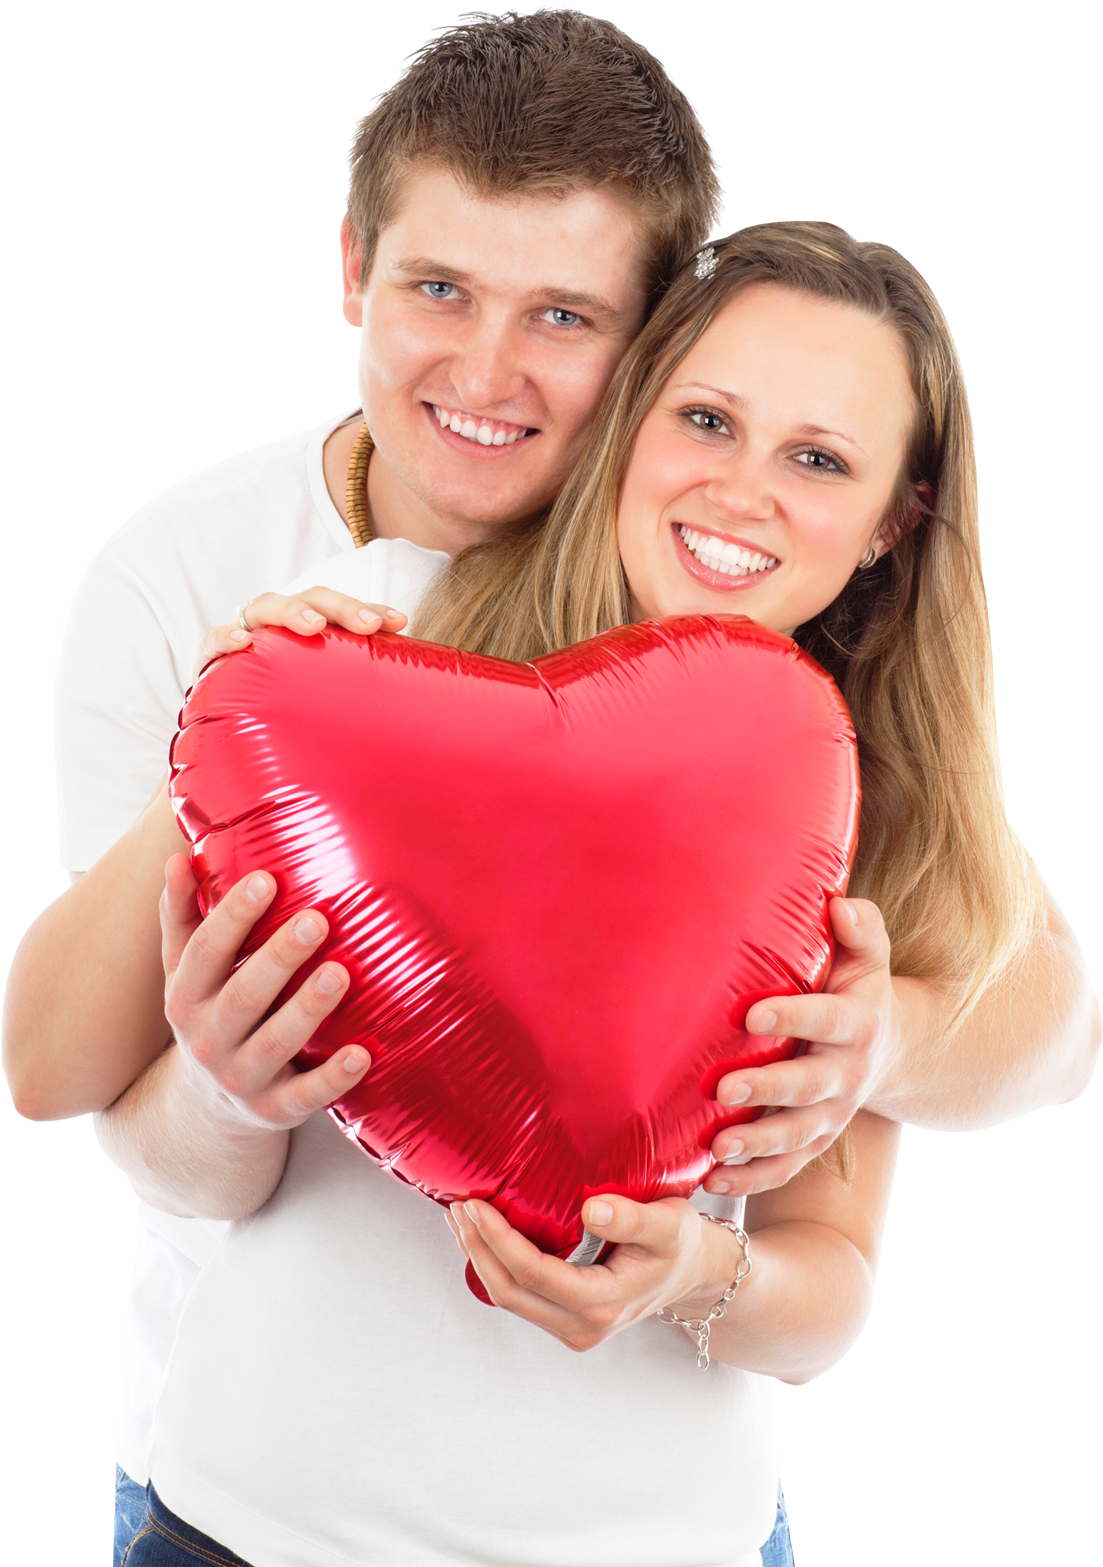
{"type": "Point", "coordinates": [706, 263]}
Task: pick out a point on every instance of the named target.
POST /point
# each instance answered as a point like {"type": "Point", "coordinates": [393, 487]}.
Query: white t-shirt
{"type": "Point", "coordinates": [182, 565]}
{"type": "Point", "coordinates": [337, 1396]}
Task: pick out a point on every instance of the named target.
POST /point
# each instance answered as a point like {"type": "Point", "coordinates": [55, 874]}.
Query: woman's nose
{"type": "Point", "coordinates": [741, 487]}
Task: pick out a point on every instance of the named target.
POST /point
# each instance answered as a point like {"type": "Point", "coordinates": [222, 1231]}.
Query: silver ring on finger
{"type": "Point", "coordinates": [241, 620]}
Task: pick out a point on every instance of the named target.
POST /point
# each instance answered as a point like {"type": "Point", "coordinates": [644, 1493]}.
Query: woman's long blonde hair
{"type": "Point", "coordinates": [907, 640]}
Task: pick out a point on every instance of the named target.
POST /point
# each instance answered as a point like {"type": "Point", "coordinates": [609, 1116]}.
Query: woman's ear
{"type": "Point", "coordinates": [915, 503]}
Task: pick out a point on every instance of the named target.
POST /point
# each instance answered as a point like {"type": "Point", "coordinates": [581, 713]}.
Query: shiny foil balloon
{"type": "Point", "coordinates": [557, 886]}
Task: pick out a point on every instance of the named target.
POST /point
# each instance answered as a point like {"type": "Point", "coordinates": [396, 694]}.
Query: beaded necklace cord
{"type": "Point", "coordinates": [356, 488]}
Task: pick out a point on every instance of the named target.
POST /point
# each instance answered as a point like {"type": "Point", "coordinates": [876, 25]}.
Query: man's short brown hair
{"type": "Point", "coordinates": [552, 102]}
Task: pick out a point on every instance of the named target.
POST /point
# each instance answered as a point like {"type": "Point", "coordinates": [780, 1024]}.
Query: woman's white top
{"type": "Point", "coordinates": [337, 1395]}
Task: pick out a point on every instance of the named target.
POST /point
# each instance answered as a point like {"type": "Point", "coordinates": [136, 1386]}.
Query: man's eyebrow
{"type": "Point", "coordinates": [740, 402]}
{"type": "Point", "coordinates": [437, 271]}
{"type": "Point", "coordinates": [441, 271]}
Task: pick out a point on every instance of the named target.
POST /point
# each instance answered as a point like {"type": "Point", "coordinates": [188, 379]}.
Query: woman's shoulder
{"type": "Point", "coordinates": [383, 571]}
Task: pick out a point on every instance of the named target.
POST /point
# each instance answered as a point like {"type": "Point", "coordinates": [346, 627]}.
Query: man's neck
{"type": "Point", "coordinates": [395, 512]}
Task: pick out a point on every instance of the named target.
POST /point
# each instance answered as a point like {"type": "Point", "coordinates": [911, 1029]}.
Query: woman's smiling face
{"type": "Point", "coordinates": [761, 475]}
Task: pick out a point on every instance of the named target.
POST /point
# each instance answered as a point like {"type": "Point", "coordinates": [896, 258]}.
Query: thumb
{"type": "Point", "coordinates": [862, 937]}
{"type": "Point", "coordinates": [653, 1225]}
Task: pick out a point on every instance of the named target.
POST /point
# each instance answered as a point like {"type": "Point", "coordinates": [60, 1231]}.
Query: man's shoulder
{"type": "Point", "coordinates": [270, 496]}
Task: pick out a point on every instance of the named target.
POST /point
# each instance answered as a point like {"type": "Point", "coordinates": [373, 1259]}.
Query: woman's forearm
{"type": "Point", "coordinates": [84, 1011]}
{"type": "Point", "coordinates": [801, 1307]}
{"type": "Point", "coordinates": [185, 1150]}
{"type": "Point", "coordinates": [1031, 1041]}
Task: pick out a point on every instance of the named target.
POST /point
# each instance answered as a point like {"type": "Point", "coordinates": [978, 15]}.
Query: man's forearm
{"type": "Point", "coordinates": [185, 1151]}
{"type": "Point", "coordinates": [1031, 1041]}
{"type": "Point", "coordinates": [84, 1010]}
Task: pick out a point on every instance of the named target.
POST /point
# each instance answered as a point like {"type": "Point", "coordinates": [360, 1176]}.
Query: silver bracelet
{"type": "Point", "coordinates": [702, 1326]}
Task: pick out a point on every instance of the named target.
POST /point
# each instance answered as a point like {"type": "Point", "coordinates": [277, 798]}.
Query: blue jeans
{"type": "Point", "coordinates": [130, 1512]}
{"type": "Point", "coordinates": [156, 1537]}
{"type": "Point", "coordinates": [148, 1535]}
{"type": "Point", "coordinates": [778, 1550]}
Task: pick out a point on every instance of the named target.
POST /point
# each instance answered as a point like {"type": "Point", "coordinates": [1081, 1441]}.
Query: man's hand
{"type": "Point", "coordinates": [306, 613]}
{"type": "Point", "coordinates": [218, 1017]}
{"type": "Point", "coordinates": [852, 1035]}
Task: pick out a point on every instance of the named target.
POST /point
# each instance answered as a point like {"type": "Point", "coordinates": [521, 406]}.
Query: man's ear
{"type": "Point", "coordinates": [350, 274]}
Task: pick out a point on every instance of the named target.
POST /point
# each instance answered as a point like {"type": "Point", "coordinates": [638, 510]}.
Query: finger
{"type": "Point", "coordinates": [508, 1283]}
{"type": "Point", "coordinates": [863, 940]}
{"type": "Point", "coordinates": [762, 1175]}
{"type": "Point", "coordinates": [823, 1018]}
{"type": "Point", "coordinates": [209, 955]}
{"type": "Point", "coordinates": [341, 609]}
{"type": "Point", "coordinates": [805, 1080]}
{"type": "Point", "coordinates": [302, 1093]}
{"type": "Point", "coordinates": [786, 1132]}
{"type": "Point", "coordinates": [242, 999]}
{"type": "Point", "coordinates": [295, 613]}
{"type": "Point", "coordinates": [653, 1227]}
{"type": "Point", "coordinates": [219, 640]}
{"type": "Point", "coordinates": [278, 1040]}
{"type": "Point", "coordinates": [178, 909]}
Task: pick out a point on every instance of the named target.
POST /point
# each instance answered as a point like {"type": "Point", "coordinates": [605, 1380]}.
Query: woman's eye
{"type": "Point", "coordinates": [707, 419]}
{"type": "Point", "coordinates": [438, 290]}
{"type": "Point", "coordinates": [821, 462]}
{"type": "Point", "coordinates": [560, 317]}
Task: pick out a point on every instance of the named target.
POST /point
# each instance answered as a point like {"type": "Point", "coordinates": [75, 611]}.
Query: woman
{"type": "Point", "coordinates": [789, 438]}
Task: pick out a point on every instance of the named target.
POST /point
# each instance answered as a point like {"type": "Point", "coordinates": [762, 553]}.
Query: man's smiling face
{"type": "Point", "coordinates": [491, 326]}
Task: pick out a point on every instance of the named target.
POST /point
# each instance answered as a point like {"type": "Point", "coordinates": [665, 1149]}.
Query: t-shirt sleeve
{"type": "Point", "coordinates": [119, 695]}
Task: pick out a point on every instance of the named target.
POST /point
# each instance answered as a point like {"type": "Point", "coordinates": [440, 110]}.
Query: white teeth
{"type": "Point", "coordinates": [472, 431]}
{"type": "Point", "coordinates": [730, 560]}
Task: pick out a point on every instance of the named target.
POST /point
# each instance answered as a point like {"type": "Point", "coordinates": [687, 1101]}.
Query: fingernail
{"type": "Point", "coordinates": [720, 1187]}
{"type": "Point", "coordinates": [329, 982]}
{"type": "Point", "coordinates": [257, 888]}
{"type": "Point", "coordinates": [456, 1209]}
{"type": "Point", "coordinates": [765, 1023]}
{"type": "Point", "coordinates": [600, 1212]}
{"type": "Point", "coordinates": [737, 1094]}
{"type": "Point", "coordinates": [735, 1154]}
{"type": "Point", "coordinates": [369, 615]}
{"type": "Point", "coordinates": [237, 635]}
{"type": "Point", "coordinates": [472, 1212]}
{"type": "Point", "coordinates": [312, 616]}
{"type": "Point", "coordinates": [852, 912]}
{"type": "Point", "coordinates": [307, 930]}
{"type": "Point", "coordinates": [355, 1061]}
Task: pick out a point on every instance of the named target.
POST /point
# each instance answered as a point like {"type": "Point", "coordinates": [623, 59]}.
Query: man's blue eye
{"type": "Point", "coordinates": [438, 290]}
{"type": "Point", "coordinates": [562, 317]}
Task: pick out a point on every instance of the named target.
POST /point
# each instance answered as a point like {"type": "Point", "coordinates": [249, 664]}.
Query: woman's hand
{"type": "Point", "coordinates": [665, 1256]}
{"type": "Point", "coordinates": [853, 1036]}
{"type": "Point", "coordinates": [305, 613]}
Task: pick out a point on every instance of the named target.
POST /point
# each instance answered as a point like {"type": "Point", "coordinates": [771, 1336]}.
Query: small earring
{"type": "Point", "coordinates": [868, 558]}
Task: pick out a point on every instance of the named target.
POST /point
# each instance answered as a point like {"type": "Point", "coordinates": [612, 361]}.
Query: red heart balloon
{"type": "Point", "coordinates": [557, 886]}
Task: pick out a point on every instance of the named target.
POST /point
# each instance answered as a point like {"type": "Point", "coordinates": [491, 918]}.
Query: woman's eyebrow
{"type": "Point", "coordinates": [834, 435]}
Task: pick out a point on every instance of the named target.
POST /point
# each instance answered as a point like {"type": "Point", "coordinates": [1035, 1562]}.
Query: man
{"type": "Point", "coordinates": [508, 316]}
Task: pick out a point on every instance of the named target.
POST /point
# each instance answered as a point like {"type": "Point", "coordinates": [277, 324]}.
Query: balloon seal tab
{"type": "Point", "coordinates": [587, 1251]}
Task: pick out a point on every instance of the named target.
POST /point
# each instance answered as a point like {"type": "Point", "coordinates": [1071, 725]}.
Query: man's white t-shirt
{"type": "Point", "coordinates": [183, 564]}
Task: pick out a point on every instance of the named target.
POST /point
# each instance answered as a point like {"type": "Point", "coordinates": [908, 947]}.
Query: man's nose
{"type": "Point", "coordinates": [487, 368]}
